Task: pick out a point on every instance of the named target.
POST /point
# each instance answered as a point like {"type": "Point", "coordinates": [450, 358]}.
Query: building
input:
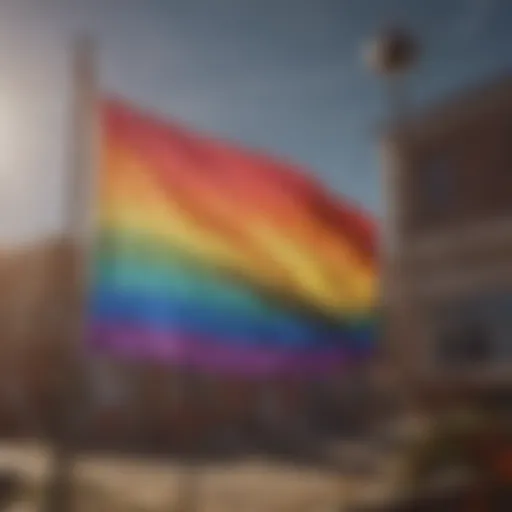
{"type": "Point", "coordinates": [447, 255]}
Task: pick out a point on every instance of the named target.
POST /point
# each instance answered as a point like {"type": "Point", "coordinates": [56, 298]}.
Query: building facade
{"type": "Point", "coordinates": [447, 255]}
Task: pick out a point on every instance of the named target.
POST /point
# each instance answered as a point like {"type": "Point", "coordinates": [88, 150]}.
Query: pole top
{"type": "Point", "coordinates": [392, 52]}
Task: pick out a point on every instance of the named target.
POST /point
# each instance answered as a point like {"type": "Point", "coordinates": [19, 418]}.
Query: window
{"type": "Point", "coordinates": [466, 343]}
{"type": "Point", "coordinates": [436, 185]}
{"type": "Point", "coordinates": [475, 332]}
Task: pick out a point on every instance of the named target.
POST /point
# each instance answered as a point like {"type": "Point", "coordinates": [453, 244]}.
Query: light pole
{"type": "Point", "coordinates": [390, 55]}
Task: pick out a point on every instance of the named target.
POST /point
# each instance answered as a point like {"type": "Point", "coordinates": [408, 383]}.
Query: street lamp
{"type": "Point", "coordinates": [391, 55]}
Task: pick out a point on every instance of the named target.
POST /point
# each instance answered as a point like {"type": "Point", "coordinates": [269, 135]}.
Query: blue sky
{"type": "Point", "coordinates": [280, 75]}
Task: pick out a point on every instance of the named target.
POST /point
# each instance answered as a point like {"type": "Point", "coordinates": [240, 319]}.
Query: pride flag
{"type": "Point", "coordinates": [223, 259]}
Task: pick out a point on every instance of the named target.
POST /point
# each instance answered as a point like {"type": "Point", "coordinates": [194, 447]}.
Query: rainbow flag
{"type": "Point", "coordinates": [224, 259]}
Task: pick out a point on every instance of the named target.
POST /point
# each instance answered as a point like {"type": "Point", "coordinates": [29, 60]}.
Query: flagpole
{"type": "Point", "coordinates": [79, 226]}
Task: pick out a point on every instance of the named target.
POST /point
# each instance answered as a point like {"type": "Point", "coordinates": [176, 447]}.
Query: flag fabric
{"type": "Point", "coordinates": [224, 259]}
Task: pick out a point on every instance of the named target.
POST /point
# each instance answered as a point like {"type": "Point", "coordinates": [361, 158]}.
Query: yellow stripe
{"type": "Point", "coordinates": [135, 203]}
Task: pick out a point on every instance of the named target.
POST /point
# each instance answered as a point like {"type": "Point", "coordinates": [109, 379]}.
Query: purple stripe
{"type": "Point", "coordinates": [195, 352]}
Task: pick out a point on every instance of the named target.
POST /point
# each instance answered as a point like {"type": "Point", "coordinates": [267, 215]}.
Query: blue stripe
{"type": "Point", "coordinates": [125, 273]}
{"type": "Point", "coordinates": [168, 314]}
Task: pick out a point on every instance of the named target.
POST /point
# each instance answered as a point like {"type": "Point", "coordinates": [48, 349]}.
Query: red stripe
{"type": "Point", "coordinates": [244, 175]}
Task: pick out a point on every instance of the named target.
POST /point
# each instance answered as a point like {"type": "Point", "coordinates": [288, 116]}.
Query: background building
{"type": "Point", "coordinates": [448, 244]}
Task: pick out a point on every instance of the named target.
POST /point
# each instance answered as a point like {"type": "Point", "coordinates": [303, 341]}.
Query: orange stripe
{"type": "Point", "coordinates": [130, 198]}
{"type": "Point", "coordinates": [303, 231]}
{"type": "Point", "coordinates": [249, 175]}
{"type": "Point", "coordinates": [332, 258]}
